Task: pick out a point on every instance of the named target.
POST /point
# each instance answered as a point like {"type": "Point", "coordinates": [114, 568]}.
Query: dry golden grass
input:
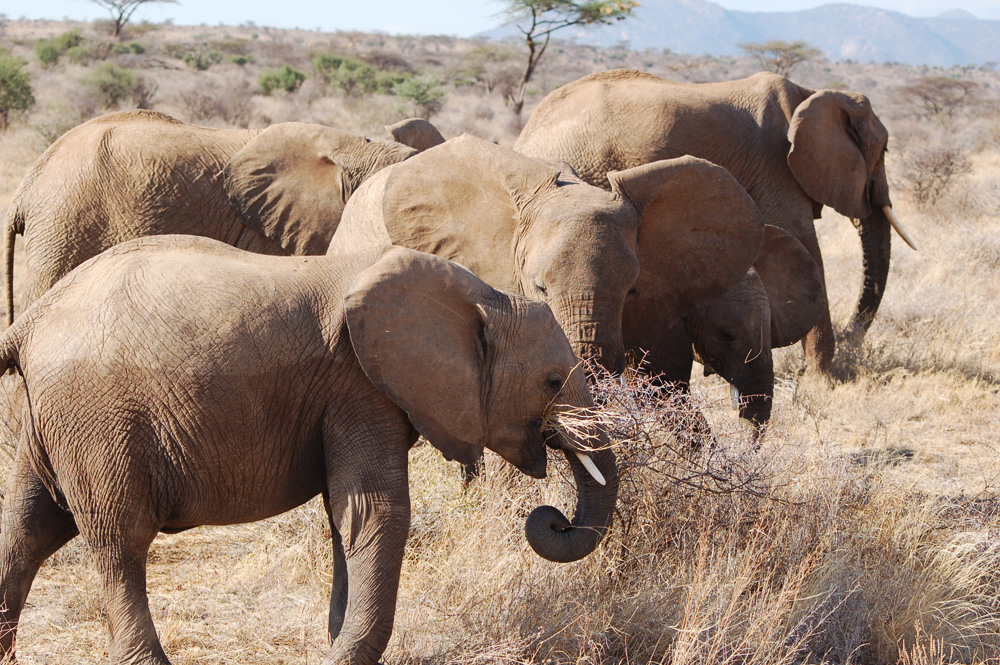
{"type": "Point", "coordinates": [864, 530]}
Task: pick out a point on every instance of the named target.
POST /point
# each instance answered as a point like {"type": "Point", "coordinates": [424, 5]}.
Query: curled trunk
{"type": "Point", "coordinates": [554, 537]}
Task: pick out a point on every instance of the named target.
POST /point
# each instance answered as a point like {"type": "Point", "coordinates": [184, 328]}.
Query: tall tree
{"type": "Point", "coordinates": [121, 10]}
{"type": "Point", "coordinates": [538, 19]}
{"type": "Point", "coordinates": [15, 87]}
{"type": "Point", "coordinates": [781, 57]}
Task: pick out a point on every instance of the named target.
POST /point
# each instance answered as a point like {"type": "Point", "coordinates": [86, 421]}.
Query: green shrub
{"type": "Point", "coordinates": [201, 59]}
{"type": "Point", "coordinates": [241, 59]}
{"type": "Point", "coordinates": [15, 87]}
{"type": "Point", "coordinates": [136, 47]}
{"type": "Point", "coordinates": [424, 92]}
{"type": "Point", "coordinates": [49, 51]}
{"type": "Point", "coordinates": [354, 76]}
{"type": "Point", "coordinates": [287, 78]}
{"type": "Point", "coordinates": [113, 84]}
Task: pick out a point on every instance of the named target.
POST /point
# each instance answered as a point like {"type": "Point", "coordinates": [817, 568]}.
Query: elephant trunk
{"type": "Point", "coordinates": [555, 538]}
{"type": "Point", "coordinates": [875, 250]}
{"type": "Point", "coordinates": [755, 408]}
{"type": "Point", "coordinates": [593, 326]}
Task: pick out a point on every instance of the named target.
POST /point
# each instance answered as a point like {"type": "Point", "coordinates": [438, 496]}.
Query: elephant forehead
{"type": "Point", "coordinates": [538, 330]}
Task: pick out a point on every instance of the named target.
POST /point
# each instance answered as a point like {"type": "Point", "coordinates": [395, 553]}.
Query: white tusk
{"type": "Point", "coordinates": [734, 392]}
{"type": "Point", "coordinates": [899, 227]}
{"type": "Point", "coordinates": [592, 468]}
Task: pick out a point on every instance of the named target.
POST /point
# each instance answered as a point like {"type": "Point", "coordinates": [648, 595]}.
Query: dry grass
{"type": "Point", "coordinates": [864, 530]}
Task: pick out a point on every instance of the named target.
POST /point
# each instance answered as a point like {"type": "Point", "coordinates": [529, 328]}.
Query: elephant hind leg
{"type": "Point", "coordinates": [33, 528]}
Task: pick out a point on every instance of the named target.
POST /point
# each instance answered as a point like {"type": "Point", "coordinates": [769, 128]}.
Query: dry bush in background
{"type": "Point", "coordinates": [864, 530]}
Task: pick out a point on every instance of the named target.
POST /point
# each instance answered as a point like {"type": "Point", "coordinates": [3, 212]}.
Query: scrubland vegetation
{"type": "Point", "coordinates": [865, 529]}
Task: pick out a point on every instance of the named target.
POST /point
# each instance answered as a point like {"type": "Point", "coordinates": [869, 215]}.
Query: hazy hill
{"type": "Point", "coordinates": [843, 31]}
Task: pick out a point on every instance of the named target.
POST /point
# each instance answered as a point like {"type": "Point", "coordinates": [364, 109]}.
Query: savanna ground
{"type": "Point", "coordinates": [864, 530]}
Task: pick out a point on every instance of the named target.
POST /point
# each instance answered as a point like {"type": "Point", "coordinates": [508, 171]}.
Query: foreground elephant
{"type": "Point", "coordinates": [132, 174]}
{"type": "Point", "coordinates": [533, 227]}
{"type": "Point", "coordinates": [176, 381]}
{"type": "Point", "coordinates": [793, 149]}
{"type": "Point", "coordinates": [774, 305]}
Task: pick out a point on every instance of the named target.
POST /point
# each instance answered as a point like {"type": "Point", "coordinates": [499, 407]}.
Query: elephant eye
{"type": "Point", "coordinates": [554, 383]}
{"type": "Point", "coordinates": [541, 288]}
{"type": "Point", "coordinates": [633, 291]}
{"type": "Point", "coordinates": [728, 335]}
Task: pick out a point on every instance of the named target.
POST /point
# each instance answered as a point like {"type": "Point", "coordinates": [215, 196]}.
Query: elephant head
{"type": "Point", "coordinates": [532, 226]}
{"type": "Point", "coordinates": [416, 133]}
{"type": "Point", "coordinates": [838, 158]}
{"type": "Point", "coordinates": [774, 305]}
{"type": "Point", "coordinates": [508, 372]}
{"type": "Point", "coordinates": [290, 183]}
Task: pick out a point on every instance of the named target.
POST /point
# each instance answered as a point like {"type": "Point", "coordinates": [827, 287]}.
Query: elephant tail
{"type": "Point", "coordinates": [14, 225]}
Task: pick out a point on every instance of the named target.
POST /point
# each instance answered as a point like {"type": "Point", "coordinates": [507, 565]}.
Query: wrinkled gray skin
{"type": "Point", "coordinates": [132, 174]}
{"type": "Point", "coordinates": [153, 408]}
{"type": "Point", "coordinates": [531, 226]}
{"type": "Point", "coordinates": [792, 148]}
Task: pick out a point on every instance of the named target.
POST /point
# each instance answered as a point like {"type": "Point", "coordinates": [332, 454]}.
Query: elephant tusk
{"type": "Point", "coordinates": [592, 468]}
{"type": "Point", "coordinates": [734, 392]}
{"type": "Point", "coordinates": [899, 227]}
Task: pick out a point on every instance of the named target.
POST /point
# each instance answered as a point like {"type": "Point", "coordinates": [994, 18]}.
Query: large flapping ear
{"type": "Point", "coordinates": [837, 142]}
{"type": "Point", "coordinates": [416, 133]}
{"type": "Point", "coordinates": [290, 183]}
{"type": "Point", "coordinates": [698, 235]}
{"type": "Point", "coordinates": [794, 285]}
{"type": "Point", "coordinates": [418, 326]}
{"type": "Point", "coordinates": [462, 200]}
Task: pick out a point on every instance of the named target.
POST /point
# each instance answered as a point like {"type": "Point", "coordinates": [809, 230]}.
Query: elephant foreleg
{"type": "Point", "coordinates": [369, 504]}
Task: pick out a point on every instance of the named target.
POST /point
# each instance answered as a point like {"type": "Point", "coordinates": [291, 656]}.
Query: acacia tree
{"type": "Point", "coordinates": [779, 56]}
{"type": "Point", "coordinates": [938, 96]}
{"type": "Point", "coordinates": [121, 10]}
{"type": "Point", "coordinates": [538, 19]}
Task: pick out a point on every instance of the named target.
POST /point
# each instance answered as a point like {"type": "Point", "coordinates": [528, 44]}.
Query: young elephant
{"type": "Point", "coordinates": [127, 175]}
{"type": "Point", "coordinates": [774, 305]}
{"type": "Point", "coordinates": [176, 381]}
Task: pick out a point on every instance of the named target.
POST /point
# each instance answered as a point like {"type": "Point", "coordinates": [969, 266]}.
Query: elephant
{"type": "Point", "coordinates": [125, 175]}
{"type": "Point", "coordinates": [793, 149]}
{"type": "Point", "coordinates": [176, 381]}
{"type": "Point", "coordinates": [531, 226]}
{"type": "Point", "coordinates": [774, 305]}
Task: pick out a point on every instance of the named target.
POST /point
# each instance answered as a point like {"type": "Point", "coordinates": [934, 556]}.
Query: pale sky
{"type": "Point", "coordinates": [455, 17]}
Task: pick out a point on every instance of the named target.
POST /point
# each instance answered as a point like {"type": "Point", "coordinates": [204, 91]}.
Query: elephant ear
{"type": "Point", "coordinates": [698, 235]}
{"type": "Point", "coordinates": [794, 285]}
{"type": "Point", "coordinates": [837, 141]}
{"type": "Point", "coordinates": [419, 328]}
{"type": "Point", "coordinates": [463, 201]}
{"type": "Point", "coordinates": [290, 182]}
{"type": "Point", "coordinates": [416, 133]}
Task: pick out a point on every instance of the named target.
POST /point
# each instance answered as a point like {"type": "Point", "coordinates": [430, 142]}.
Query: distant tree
{"type": "Point", "coordinates": [121, 10]}
{"type": "Point", "coordinates": [538, 19]}
{"type": "Point", "coordinates": [286, 78]}
{"type": "Point", "coordinates": [15, 87]}
{"type": "Point", "coordinates": [938, 96]}
{"type": "Point", "coordinates": [779, 56]}
{"type": "Point", "coordinates": [423, 92]}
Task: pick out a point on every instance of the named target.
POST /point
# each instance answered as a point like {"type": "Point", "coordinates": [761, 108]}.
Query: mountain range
{"type": "Point", "coordinates": [843, 31]}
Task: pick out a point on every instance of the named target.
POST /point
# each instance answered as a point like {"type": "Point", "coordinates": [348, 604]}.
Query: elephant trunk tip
{"type": "Point", "coordinates": [548, 532]}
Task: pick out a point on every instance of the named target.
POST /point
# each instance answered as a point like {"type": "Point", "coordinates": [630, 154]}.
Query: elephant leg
{"type": "Point", "coordinates": [370, 505]}
{"type": "Point", "coordinates": [471, 473]}
{"type": "Point", "coordinates": [819, 343]}
{"type": "Point", "coordinates": [338, 596]}
{"type": "Point", "coordinates": [119, 533]}
{"type": "Point", "coordinates": [33, 527]}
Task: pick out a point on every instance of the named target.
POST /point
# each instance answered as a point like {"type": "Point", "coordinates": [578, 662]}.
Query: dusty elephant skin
{"type": "Point", "coordinates": [163, 396]}
{"type": "Point", "coordinates": [531, 226]}
{"type": "Point", "coordinates": [132, 174]}
{"type": "Point", "coordinates": [793, 149]}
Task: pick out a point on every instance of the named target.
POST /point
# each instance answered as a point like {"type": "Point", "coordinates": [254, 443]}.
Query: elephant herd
{"type": "Point", "coordinates": [219, 325]}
